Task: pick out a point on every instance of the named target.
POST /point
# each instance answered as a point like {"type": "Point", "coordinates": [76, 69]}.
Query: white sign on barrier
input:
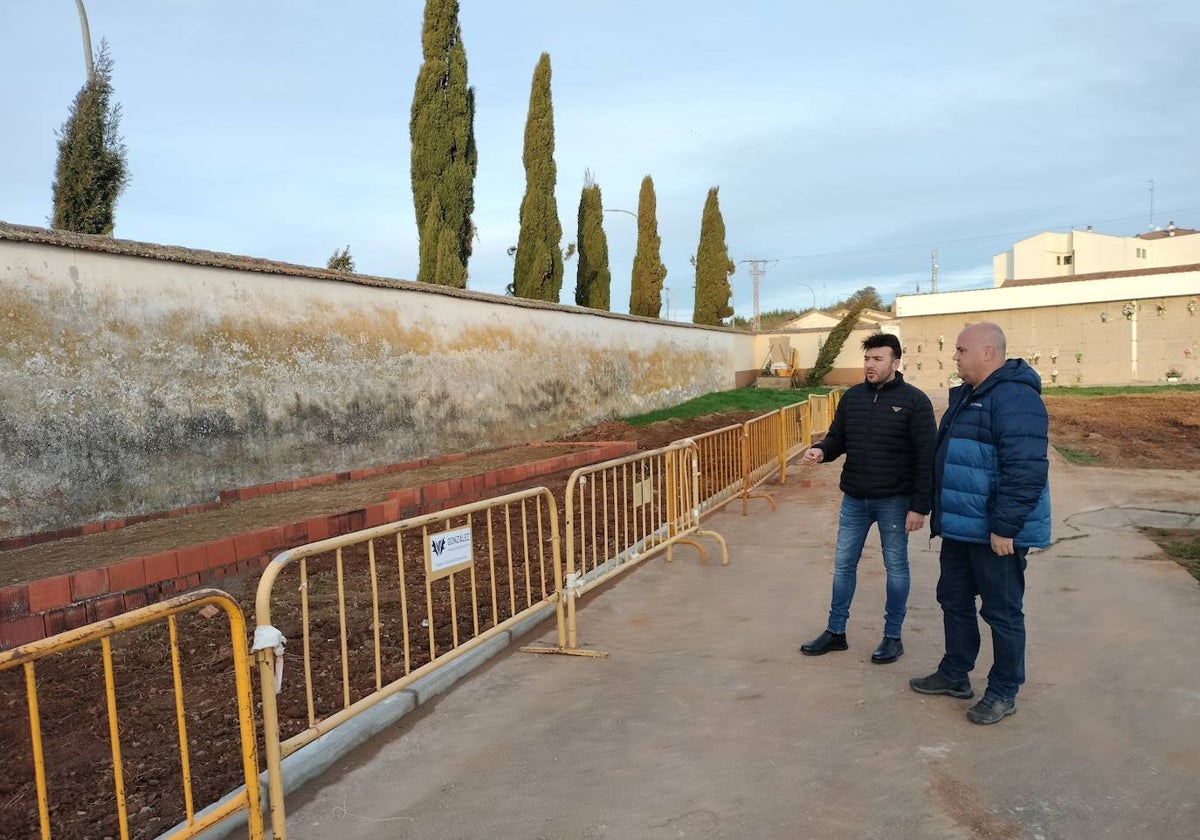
{"type": "Point", "coordinates": [447, 552]}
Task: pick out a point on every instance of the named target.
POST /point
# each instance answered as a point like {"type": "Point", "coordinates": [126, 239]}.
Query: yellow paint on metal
{"type": "Point", "coordinates": [520, 565]}
{"type": "Point", "coordinates": [248, 800]}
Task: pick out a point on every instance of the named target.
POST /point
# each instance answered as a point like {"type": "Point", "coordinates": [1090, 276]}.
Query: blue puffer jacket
{"type": "Point", "coordinates": [990, 468]}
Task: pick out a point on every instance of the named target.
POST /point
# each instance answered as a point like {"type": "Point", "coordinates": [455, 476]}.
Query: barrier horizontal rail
{"type": "Point", "coordinates": [623, 511]}
{"type": "Point", "coordinates": [127, 690]}
{"type": "Point", "coordinates": [383, 607]}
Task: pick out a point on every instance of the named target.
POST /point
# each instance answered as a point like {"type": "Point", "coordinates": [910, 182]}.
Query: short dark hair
{"type": "Point", "coordinates": [876, 340]}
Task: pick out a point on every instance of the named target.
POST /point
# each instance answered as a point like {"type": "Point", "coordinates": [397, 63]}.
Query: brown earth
{"type": "Point", "coordinates": [1135, 430]}
{"type": "Point", "coordinates": [1151, 431]}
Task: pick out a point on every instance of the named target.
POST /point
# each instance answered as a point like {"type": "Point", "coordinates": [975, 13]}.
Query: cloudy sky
{"type": "Point", "coordinates": [848, 140]}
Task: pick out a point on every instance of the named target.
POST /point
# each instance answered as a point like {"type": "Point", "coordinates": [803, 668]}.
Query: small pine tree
{"type": "Point", "coordinates": [442, 130]}
{"type": "Point", "coordinates": [649, 273]}
{"type": "Point", "coordinates": [593, 280]}
{"type": "Point", "coordinates": [713, 267]}
{"type": "Point", "coordinates": [341, 261]}
{"type": "Point", "coordinates": [832, 347]}
{"type": "Point", "coordinates": [538, 267]}
{"type": "Point", "coordinates": [92, 169]}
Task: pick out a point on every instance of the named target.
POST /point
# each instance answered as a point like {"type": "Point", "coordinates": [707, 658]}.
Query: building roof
{"type": "Point", "coordinates": [1165, 234]}
{"type": "Point", "coordinates": [1101, 275]}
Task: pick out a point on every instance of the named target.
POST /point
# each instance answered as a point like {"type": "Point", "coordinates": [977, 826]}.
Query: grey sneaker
{"type": "Point", "coordinates": [990, 710]}
{"type": "Point", "coordinates": [935, 683]}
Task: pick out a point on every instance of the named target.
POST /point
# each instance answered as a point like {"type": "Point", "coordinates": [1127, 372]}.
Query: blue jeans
{"type": "Point", "coordinates": [854, 521]}
{"type": "Point", "coordinates": [970, 570]}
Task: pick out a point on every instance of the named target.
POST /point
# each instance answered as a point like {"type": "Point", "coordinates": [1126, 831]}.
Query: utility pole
{"type": "Point", "coordinates": [933, 272]}
{"type": "Point", "coordinates": [758, 270]}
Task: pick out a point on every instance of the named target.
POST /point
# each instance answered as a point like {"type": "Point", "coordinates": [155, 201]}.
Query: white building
{"type": "Point", "coordinates": [1050, 254]}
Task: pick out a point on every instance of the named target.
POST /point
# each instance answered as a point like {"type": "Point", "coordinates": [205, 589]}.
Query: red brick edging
{"type": "Point", "coordinates": [42, 608]}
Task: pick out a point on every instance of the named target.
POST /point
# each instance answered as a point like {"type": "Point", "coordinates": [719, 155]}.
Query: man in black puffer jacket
{"type": "Point", "coordinates": [886, 429]}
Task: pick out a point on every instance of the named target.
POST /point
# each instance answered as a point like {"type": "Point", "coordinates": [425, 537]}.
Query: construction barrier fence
{"type": "Point", "coordinates": [64, 672]}
{"type": "Point", "coordinates": [624, 511]}
{"type": "Point", "coordinates": [380, 608]}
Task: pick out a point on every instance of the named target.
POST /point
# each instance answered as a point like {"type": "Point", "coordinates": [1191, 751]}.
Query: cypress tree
{"type": "Point", "coordinates": [444, 157]}
{"type": "Point", "coordinates": [538, 268]}
{"type": "Point", "coordinates": [832, 347]}
{"type": "Point", "coordinates": [593, 279]}
{"type": "Point", "coordinates": [645, 288]}
{"type": "Point", "coordinates": [91, 171]}
{"type": "Point", "coordinates": [713, 267]}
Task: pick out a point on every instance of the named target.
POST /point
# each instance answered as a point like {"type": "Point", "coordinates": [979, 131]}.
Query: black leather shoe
{"type": "Point", "coordinates": [824, 643]}
{"type": "Point", "coordinates": [889, 650]}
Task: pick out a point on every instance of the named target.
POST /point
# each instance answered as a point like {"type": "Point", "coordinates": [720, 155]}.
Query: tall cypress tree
{"type": "Point", "coordinates": [713, 267]}
{"type": "Point", "coordinates": [91, 171]}
{"type": "Point", "coordinates": [444, 157]}
{"type": "Point", "coordinates": [538, 268]}
{"type": "Point", "coordinates": [645, 288]}
{"type": "Point", "coordinates": [593, 280]}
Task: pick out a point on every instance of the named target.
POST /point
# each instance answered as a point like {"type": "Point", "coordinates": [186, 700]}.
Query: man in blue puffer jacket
{"type": "Point", "coordinates": [991, 504]}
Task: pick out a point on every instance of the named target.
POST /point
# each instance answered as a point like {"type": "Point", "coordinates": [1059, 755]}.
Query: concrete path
{"type": "Point", "coordinates": [705, 721]}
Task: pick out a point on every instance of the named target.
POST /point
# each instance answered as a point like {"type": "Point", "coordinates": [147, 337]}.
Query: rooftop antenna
{"type": "Point", "coordinates": [933, 272]}
{"type": "Point", "coordinates": [1151, 204]}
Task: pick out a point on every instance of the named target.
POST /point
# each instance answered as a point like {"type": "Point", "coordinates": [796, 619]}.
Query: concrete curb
{"type": "Point", "coordinates": [312, 760]}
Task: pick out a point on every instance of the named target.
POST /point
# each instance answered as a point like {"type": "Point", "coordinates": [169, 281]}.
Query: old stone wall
{"type": "Point", "coordinates": [133, 380]}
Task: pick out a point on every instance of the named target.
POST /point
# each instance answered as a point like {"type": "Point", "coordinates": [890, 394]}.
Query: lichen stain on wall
{"type": "Point", "coordinates": [117, 404]}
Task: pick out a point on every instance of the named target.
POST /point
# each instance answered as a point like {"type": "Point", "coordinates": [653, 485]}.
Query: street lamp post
{"type": "Point", "coordinates": [619, 210]}
{"type": "Point", "coordinates": [87, 39]}
{"type": "Point", "coordinates": [811, 292]}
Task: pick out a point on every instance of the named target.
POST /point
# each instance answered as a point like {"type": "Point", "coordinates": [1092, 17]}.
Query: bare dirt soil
{"type": "Point", "coordinates": [1147, 431]}
{"type": "Point", "coordinates": [1136, 430]}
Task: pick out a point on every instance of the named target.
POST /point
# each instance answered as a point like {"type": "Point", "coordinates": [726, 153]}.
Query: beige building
{"type": "Point", "coordinates": [1108, 328]}
{"type": "Point", "coordinates": [1050, 254]}
{"type": "Point", "coordinates": [808, 333]}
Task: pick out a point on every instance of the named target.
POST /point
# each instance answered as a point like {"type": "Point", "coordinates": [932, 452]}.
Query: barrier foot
{"type": "Point", "coordinates": [721, 540]}
{"type": "Point", "coordinates": [594, 654]}
{"type": "Point", "coordinates": [746, 497]}
{"type": "Point", "coordinates": [698, 547]}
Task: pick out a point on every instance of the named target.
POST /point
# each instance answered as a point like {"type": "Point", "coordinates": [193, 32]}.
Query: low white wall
{"type": "Point", "coordinates": [133, 382]}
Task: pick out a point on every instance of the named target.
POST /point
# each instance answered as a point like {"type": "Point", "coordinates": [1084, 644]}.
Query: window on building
{"type": "Point", "coordinates": [1141, 252]}
{"type": "Point", "coordinates": [1067, 259]}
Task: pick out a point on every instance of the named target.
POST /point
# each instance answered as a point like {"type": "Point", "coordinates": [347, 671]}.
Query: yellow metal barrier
{"type": "Point", "coordinates": [722, 473]}
{"type": "Point", "coordinates": [387, 605]}
{"type": "Point", "coordinates": [623, 511]}
{"type": "Point", "coordinates": [133, 693]}
{"type": "Point", "coordinates": [760, 454]}
{"type": "Point", "coordinates": [770, 440]}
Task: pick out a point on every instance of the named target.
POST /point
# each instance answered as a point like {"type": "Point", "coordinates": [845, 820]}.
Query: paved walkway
{"type": "Point", "coordinates": [705, 722]}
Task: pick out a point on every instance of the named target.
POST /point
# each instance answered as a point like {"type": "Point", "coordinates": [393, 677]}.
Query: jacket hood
{"type": "Point", "coordinates": [1014, 370]}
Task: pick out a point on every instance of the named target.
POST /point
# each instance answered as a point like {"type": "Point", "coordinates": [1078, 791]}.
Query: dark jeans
{"type": "Point", "coordinates": [970, 570]}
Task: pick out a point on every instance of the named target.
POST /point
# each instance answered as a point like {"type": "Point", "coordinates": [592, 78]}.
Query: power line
{"type": "Point", "coordinates": [982, 238]}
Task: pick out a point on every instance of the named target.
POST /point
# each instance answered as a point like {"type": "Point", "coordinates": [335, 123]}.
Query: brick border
{"type": "Point", "coordinates": [31, 611]}
{"type": "Point", "coordinates": [225, 497]}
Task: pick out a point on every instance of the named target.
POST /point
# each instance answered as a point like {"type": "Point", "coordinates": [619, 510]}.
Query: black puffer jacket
{"type": "Point", "coordinates": [887, 435]}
